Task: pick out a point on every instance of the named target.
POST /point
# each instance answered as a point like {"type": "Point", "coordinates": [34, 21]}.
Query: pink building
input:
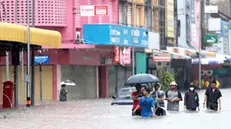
{"type": "Point", "coordinates": [79, 63]}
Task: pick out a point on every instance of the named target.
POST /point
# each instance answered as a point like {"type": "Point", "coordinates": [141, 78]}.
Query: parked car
{"type": "Point", "coordinates": [123, 96]}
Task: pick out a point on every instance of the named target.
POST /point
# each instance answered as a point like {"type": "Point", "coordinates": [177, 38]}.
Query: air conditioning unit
{"type": "Point", "coordinates": [78, 39]}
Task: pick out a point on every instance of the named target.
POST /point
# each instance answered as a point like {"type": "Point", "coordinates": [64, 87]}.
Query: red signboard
{"type": "Point", "coordinates": [101, 10]}
{"type": "Point", "coordinates": [116, 55]}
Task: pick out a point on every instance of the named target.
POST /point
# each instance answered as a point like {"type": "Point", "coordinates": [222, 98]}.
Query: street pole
{"type": "Point", "coordinates": [133, 47]}
{"type": "Point", "coordinates": [41, 82]}
{"type": "Point", "coordinates": [28, 55]}
{"type": "Point", "coordinates": [22, 63]}
{"type": "Point", "coordinates": [22, 53]}
{"type": "Point", "coordinates": [202, 39]}
{"type": "Point", "coordinates": [32, 59]}
{"type": "Point", "coordinates": [7, 53]}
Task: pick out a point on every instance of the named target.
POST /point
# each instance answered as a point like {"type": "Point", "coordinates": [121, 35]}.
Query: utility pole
{"type": "Point", "coordinates": [202, 27]}
{"type": "Point", "coordinates": [22, 50]}
{"type": "Point", "coordinates": [28, 56]}
{"type": "Point", "coordinates": [32, 59]}
{"type": "Point", "coordinates": [133, 47]}
{"type": "Point", "coordinates": [7, 52]}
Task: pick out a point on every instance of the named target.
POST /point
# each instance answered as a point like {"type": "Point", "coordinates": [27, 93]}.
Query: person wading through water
{"type": "Point", "coordinates": [136, 98]}
{"type": "Point", "coordinates": [212, 97]}
{"type": "Point", "coordinates": [147, 104]}
{"type": "Point", "coordinates": [158, 96]}
{"type": "Point", "coordinates": [63, 93]}
{"type": "Point", "coordinates": [191, 99]}
{"type": "Point", "coordinates": [173, 96]}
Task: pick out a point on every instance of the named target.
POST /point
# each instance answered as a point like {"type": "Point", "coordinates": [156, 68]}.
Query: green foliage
{"type": "Point", "coordinates": [166, 79]}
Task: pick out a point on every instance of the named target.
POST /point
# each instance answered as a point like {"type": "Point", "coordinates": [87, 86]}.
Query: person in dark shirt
{"type": "Point", "coordinates": [212, 99]}
{"type": "Point", "coordinates": [136, 98]}
{"type": "Point", "coordinates": [191, 99]}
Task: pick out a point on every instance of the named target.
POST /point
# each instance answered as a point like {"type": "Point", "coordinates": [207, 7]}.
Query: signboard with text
{"type": "Point", "coordinates": [93, 10]}
{"type": "Point", "coordinates": [110, 34]}
{"type": "Point", "coordinates": [211, 38]}
{"type": "Point", "coordinates": [42, 59]}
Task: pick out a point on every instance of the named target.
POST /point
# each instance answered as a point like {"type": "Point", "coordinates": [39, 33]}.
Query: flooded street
{"type": "Point", "coordinates": [99, 114]}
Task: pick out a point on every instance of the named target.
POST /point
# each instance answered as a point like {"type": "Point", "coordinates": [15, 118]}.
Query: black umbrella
{"type": "Point", "coordinates": [141, 78]}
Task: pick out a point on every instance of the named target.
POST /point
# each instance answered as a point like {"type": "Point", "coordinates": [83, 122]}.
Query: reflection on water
{"type": "Point", "coordinates": [99, 114]}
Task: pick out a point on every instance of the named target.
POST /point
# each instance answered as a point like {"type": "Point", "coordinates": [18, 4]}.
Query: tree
{"type": "Point", "coordinates": [166, 79]}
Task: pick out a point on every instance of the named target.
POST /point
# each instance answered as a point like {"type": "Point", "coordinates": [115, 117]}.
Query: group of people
{"type": "Point", "coordinates": [147, 103]}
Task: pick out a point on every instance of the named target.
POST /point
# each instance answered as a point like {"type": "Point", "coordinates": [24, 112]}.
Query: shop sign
{"type": "Point", "coordinates": [125, 56]}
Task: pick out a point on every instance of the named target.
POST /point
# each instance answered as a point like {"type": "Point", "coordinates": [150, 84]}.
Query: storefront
{"type": "Point", "coordinates": [121, 38]}
{"type": "Point", "coordinates": [47, 83]}
{"type": "Point", "coordinates": [85, 79]}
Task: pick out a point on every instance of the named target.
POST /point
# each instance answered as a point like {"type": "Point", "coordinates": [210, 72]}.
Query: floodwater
{"type": "Point", "coordinates": [99, 114]}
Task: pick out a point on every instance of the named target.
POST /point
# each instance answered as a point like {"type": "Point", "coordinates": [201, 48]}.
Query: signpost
{"type": "Point", "coordinates": [211, 38]}
{"type": "Point", "coordinates": [41, 60]}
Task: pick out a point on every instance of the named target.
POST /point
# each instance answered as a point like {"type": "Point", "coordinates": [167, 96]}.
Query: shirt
{"type": "Point", "coordinates": [213, 96]}
{"type": "Point", "coordinates": [173, 106]}
{"type": "Point", "coordinates": [136, 102]}
{"type": "Point", "coordinates": [191, 99]}
{"type": "Point", "coordinates": [158, 94]}
{"type": "Point", "coordinates": [146, 103]}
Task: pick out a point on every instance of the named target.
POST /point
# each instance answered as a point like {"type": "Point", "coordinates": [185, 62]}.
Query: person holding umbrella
{"type": "Point", "coordinates": [147, 104]}
{"type": "Point", "coordinates": [158, 96]}
{"type": "Point", "coordinates": [136, 98]}
{"type": "Point", "coordinates": [173, 96]}
{"type": "Point", "coordinates": [63, 93]}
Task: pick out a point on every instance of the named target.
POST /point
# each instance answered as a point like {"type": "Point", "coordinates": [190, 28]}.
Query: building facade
{"type": "Point", "coordinates": [90, 66]}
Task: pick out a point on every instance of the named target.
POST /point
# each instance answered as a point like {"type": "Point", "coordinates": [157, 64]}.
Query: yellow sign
{"type": "Point", "coordinates": [169, 18]}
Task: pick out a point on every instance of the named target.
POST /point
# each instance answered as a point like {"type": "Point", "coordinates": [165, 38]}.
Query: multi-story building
{"type": "Point", "coordinates": [90, 66]}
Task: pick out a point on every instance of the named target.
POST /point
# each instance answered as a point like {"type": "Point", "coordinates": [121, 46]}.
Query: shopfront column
{"type": "Point", "coordinates": [103, 81]}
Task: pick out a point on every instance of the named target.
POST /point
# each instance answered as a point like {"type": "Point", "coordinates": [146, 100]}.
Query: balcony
{"type": "Point", "coordinates": [50, 13]}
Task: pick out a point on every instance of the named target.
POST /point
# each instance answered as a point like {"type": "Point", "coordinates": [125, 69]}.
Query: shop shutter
{"type": "Point", "coordinates": [111, 80]}
{"type": "Point", "coordinates": [121, 76]}
{"type": "Point", "coordinates": [85, 79]}
{"type": "Point", "coordinates": [128, 72]}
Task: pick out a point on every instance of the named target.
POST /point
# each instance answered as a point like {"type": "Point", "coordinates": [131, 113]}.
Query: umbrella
{"type": "Point", "coordinates": [141, 78]}
{"type": "Point", "coordinates": [68, 83]}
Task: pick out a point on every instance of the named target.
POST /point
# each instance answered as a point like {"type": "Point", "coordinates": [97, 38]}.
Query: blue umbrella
{"type": "Point", "coordinates": [142, 79]}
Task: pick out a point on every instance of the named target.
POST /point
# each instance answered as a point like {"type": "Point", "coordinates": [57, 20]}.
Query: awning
{"type": "Point", "coordinates": [18, 34]}
{"type": "Point", "coordinates": [167, 57]}
{"type": "Point", "coordinates": [190, 52]}
{"type": "Point", "coordinates": [219, 59]}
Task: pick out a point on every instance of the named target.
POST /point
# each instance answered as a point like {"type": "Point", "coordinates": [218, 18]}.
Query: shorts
{"type": "Point", "coordinates": [137, 113]}
{"type": "Point", "coordinates": [212, 106]}
{"type": "Point", "coordinates": [192, 109]}
{"type": "Point", "coordinates": [160, 112]}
